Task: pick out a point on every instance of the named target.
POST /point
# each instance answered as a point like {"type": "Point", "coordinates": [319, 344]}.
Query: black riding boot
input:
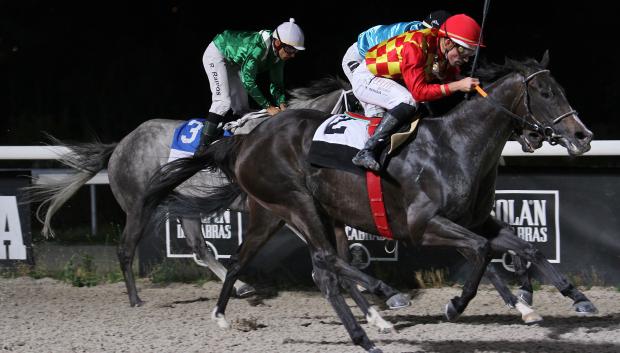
{"type": "Point", "coordinates": [390, 123]}
{"type": "Point", "coordinates": [210, 132]}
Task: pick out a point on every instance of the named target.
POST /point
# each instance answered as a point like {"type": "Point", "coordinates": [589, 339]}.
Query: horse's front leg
{"type": "Point", "coordinates": [441, 231]}
{"type": "Point", "coordinates": [525, 293]}
{"type": "Point", "coordinates": [507, 241]}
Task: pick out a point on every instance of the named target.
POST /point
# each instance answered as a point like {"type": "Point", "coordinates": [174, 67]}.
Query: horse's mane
{"type": "Point", "coordinates": [318, 88]}
{"type": "Point", "coordinates": [490, 72]}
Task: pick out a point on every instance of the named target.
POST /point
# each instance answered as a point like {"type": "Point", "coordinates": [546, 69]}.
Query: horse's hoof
{"type": "Point", "coordinates": [525, 297]}
{"type": "Point", "coordinates": [531, 318]}
{"type": "Point", "coordinates": [376, 320]}
{"type": "Point", "coordinates": [528, 315]}
{"type": "Point", "coordinates": [137, 303]}
{"type": "Point", "coordinates": [585, 308]}
{"type": "Point", "coordinates": [245, 290]}
{"type": "Point", "coordinates": [375, 350]}
{"type": "Point", "coordinates": [451, 313]}
{"type": "Point", "coordinates": [398, 301]}
{"type": "Point", "coordinates": [219, 319]}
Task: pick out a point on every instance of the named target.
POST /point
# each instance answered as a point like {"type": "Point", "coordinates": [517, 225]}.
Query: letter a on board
{"type": "Point", "coordinates": [11, 240]}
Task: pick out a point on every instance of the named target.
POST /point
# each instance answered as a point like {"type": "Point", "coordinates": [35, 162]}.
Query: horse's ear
{"type": "Point", "coordinates": [544, 62]}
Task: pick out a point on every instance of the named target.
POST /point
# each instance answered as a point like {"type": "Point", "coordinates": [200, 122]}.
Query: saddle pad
{"type": "Point", "coordinates": [337, 140]}
{"type": "Point", "coordinates": [340, 137]}
{"type": "Point", "coordinates": [186, 139]}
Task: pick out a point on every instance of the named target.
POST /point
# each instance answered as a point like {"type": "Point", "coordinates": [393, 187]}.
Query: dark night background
{"type": "Point", "coordinates": [78, 69]}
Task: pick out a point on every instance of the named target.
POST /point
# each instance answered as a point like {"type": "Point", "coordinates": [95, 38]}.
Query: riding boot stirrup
{"type": "Point", "coordinates": [210, 133]}
{"type": "Point", "coordinates": [368, 157]}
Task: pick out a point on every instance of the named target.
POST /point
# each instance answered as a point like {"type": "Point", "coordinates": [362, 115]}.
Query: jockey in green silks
{"type": "Point", "coordinates": [232, 62]}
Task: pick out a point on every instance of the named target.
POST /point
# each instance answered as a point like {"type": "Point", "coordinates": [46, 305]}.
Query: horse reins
{"type": "Point", "coordinates": [545, 130]}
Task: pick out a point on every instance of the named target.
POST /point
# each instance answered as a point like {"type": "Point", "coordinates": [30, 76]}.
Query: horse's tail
{"type": "Point", "coordinates": [87, 159]}
{"type": "Point", "coordinates": [219, 156]}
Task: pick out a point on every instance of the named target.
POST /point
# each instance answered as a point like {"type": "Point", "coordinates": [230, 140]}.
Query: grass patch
{"type": "Point", "coordinates": [587, 279]}
{"type": "Point", "coordinates": [432, 278]}
{"type": "Point", "coordinates": [80, 271]}
{"type": "Point", "coordinates": [179, 271]}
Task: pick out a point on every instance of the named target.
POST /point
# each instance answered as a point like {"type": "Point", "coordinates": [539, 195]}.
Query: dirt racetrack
{"type": "Point", "coordinates": [49, 316]}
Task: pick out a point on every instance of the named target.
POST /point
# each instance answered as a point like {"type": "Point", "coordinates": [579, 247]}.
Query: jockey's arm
{"type": "Point", "coordinates": [276, 87]}
{"type": "Point", "coordinates": [249, 71]}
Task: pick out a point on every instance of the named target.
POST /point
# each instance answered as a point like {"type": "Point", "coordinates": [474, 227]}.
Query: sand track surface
{"type": "Point", "coordinates": [49, 316]}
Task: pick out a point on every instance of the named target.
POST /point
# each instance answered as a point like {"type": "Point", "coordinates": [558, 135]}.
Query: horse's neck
{"type": "Point", "coordinates": [485, 127]}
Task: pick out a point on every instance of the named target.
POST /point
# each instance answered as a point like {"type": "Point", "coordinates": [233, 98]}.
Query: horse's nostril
{"type": "Point", "coordinates": [534, 135]}
{"type": "Point", "coordinates": [580, 135]}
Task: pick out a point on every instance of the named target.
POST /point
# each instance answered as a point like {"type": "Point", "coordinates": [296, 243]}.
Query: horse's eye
{"type": "Point", "coordinates": [546, 94]}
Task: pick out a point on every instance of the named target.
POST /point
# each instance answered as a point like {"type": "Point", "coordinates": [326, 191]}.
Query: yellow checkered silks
{"type": "Point", "coordinates": [384, 59]}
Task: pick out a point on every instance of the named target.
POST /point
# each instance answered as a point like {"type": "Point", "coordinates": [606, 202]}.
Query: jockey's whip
{"type": "Point", "coordinates": [487, 3]}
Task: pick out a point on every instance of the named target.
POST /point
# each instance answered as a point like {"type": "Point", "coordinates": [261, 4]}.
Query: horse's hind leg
{"type": "Point", "coordinates": [193, 232]}
{"type": "Point", "coordinates": [441, 231]}
{"type": "Point", "coordinates": [372, 314]}
{"type": "Point", "coordinates": [316, 229]}
{"type": "Point", "coordinates": [126, 251]}
{"type": "Point", "coordinates": [261, 226]}
{"type": "Point", "coordinates": [507, 241]}
{"type": "Point", "coordinates": [395, 301]}
{"type": "Point", "coordinates": [327, 281]}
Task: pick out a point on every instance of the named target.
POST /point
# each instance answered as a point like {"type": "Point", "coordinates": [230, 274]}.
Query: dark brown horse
{"type": "Point", "coordinates": [438, 189]}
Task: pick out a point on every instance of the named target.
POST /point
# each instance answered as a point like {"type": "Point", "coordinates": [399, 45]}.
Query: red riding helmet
{"type": "Point", "coordinates": [462, 30]}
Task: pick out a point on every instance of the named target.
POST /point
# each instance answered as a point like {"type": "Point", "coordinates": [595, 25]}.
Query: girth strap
{"type": "Point", "coordinates": [375, 194]}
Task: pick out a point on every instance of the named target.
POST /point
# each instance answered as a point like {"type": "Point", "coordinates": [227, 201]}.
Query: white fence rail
{"type": "Point", "coordinates": [44, 176]}
{"type": "Point", "coordinates": [512, 149]}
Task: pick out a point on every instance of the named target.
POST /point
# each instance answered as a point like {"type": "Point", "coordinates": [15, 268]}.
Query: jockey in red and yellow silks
{"type": "Point", "coordinates": [411, 57]}
{"type": "Point", "coordinates": [356, 54]}
{"type": "Point", "coordinates": [427, 63]}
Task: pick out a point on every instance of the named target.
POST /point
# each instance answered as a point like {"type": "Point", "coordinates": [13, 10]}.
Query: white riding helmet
{"type": "Point", "coordinates": [290, 33]}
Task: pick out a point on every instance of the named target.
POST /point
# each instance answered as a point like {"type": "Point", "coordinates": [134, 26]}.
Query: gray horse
{"type": "Point", "coordinates": [132, 162]}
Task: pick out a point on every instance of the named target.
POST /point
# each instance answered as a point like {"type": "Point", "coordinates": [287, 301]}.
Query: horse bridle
{"type": "Point", "coordinates": [546, 131]}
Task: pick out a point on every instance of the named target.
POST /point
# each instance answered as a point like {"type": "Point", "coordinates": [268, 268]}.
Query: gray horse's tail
{"type": "Point", "coordinates": [87, 159]}
{"type": "Point", "coordinates": [221, 156]}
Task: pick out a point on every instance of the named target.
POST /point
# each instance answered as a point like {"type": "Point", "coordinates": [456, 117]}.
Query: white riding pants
{"type": "Point", "coordinates": [378, 94]}
{"type": "Point", "coordinates": [227, 91]}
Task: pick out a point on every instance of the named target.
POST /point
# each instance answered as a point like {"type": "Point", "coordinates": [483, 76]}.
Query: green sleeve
{"type": "Point", "coordinates": [249, 71]}
{"type": "Point", "coordinates": [276, 75]}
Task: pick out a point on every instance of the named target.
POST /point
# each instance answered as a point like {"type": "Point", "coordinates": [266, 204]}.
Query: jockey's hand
{"type": "Point", "coordinates": [271, 110]}
{"type": "Point", "coordinates": [282, 107]}
{"type": "Point", "coordinates": [464, 85]}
